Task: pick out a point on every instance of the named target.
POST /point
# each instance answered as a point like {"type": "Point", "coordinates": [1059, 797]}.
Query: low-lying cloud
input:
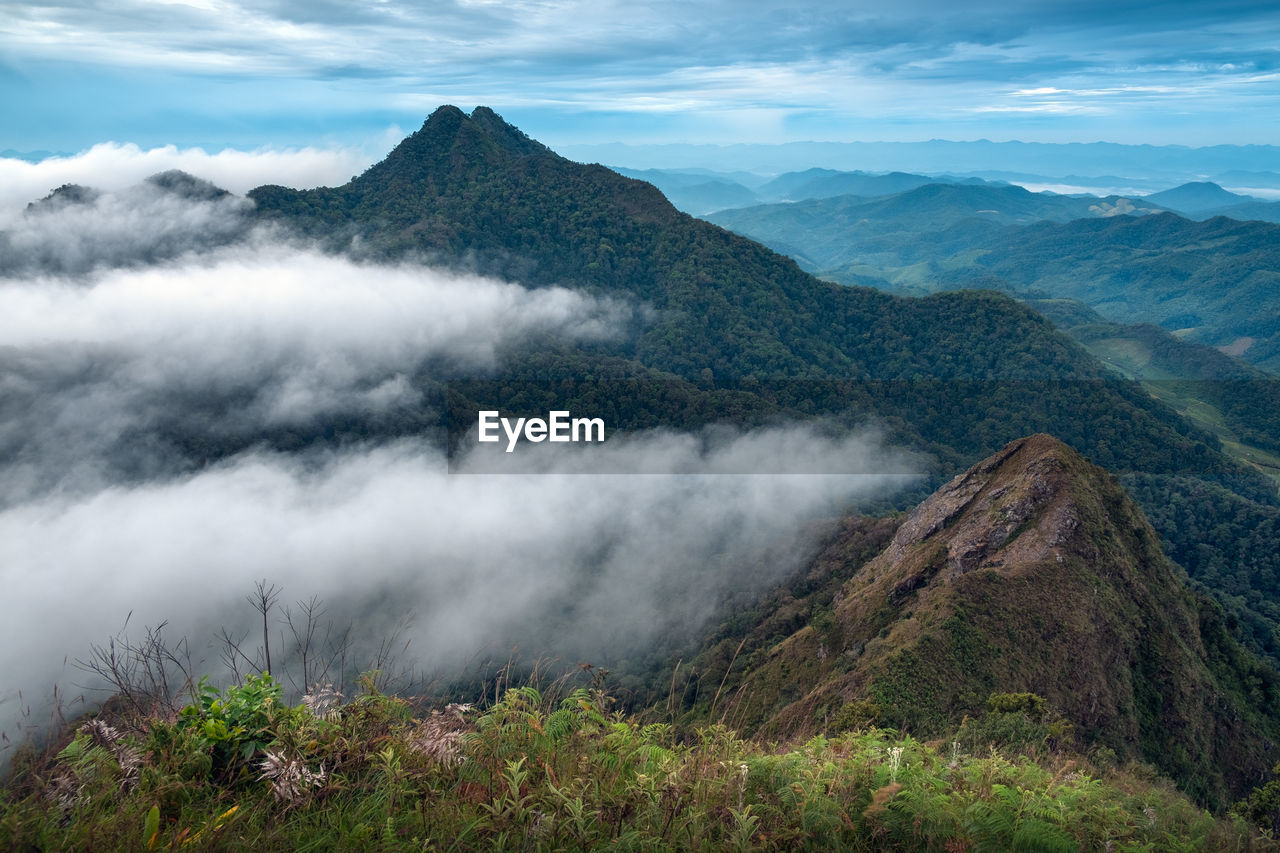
{"type": "Point", "coordinates": [95, 370]}
{"type": "Point", "coordinates": [570, 565]}
{"type": "Point", "coordinates": [146, 411]}
{"type": "Point", "coordinates": [111, 166]}
{"type": "Point", "coordinates": [74, 231]}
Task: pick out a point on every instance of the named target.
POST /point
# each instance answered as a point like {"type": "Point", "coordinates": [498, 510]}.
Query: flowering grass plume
{"type": "Point", "coordinates": [290, 777]}
{"type": "Point", "coordinates": [439, 736]}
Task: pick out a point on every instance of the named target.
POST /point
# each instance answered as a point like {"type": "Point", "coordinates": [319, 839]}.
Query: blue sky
{"type": "Point", "coordinates": [249, 73]}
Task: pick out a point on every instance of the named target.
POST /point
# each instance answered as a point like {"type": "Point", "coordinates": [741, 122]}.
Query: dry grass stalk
{"type": "Point", "coordinates": [439, 736]}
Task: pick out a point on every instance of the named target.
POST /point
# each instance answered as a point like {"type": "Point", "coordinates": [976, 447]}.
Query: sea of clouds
{"type": "Point", "coordinates": [149, 338]}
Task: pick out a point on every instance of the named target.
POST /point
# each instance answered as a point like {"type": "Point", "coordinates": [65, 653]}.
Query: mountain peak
{"type": "Point", "coordinates": [449, 126]}
{"type": "Point", "coordinates": [1034, 572]}
{"type": "Point", "coordinates": [187, 186]}
{"type": "Point", "coordinates": [508, 135]}
{"type": "Point", "coordinates": [451, 144]}
{"type": "Point", "coordinates": [67, 194]}
{"type": "Point", "coordinates": [1198, 197]}
{"type": "Point", "coordinates": [1027, 480]}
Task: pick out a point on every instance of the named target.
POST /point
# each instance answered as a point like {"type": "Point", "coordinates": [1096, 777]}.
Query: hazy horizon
{"type": "Point", "coordinates": [1094, 168]}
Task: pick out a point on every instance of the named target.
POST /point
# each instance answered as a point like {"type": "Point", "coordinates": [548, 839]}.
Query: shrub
{"type": "Point", "coordinates": [233, 724]}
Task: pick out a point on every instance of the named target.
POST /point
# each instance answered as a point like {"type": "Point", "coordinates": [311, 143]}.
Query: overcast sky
{"type": "Point", "coordinates": [277, 73]}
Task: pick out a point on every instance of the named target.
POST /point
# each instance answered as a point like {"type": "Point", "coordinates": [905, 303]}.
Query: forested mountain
{"type": "Point", "coordinates": [1217, 279]}
{"type": "Point", "coordinates": [1242, 405]}
{"type": "Point", "coordinates": [1025, 604]}
{"type": "Point", "coordinates": [956, 374]}
{"type": "Point", "coordinates": [1262, 211]}
{"type": "Point", "coordinates": [1205, 200]}
{"type": "Point", "coordinates": [1197, 197]}
{"type": "Point", "coordinates": [473, 190]}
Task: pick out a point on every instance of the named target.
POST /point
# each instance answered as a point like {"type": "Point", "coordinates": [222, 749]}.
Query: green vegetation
{"type": "Point", "coordinates": [1216, 279]}
{"type": "Point", "coordinates": [1221, 395]}
{"type": "Point", "coordinates": [532, 773]}
{"type": "Point", "coordinates": [1222, 533]}
{"type": "Point", "coordinates": [1042, 740]}
{"type": "Point", "coordinates": [1226, 544]}
{"type": "Point", "coordinates": [1262, 807]}
{"type": "Point", "coordinates": [911, 237]}
{"type": "Point", "coordinates": [234, 724]}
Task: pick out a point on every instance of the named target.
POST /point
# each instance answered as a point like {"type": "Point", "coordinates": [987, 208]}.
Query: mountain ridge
{"type": "Point", "coordinates": [753, 337]}
{"type": "Point", "coordinates": [985, 586]}
{"type": "Point", "coordinates": [726, 308]}
{"type": "Point", "coordinates": [1209, 278]}
{"type": "Point", "coordinates": [1030, 572]}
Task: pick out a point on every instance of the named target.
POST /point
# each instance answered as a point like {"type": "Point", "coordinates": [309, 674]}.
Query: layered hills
{"type": "Point", "coordinates": [882, 235]}
{"type": "Point", "coordinates": [1198, 197]}
{"type": "Point", "coordinates": [728, 330]}
{"type": "Point", "coordinates": [701, 191]}
{"type": "Point", "coordinates": [1205, 200]}
{"type": "Point", "coordinates": [1212, 280]}
{"type": "Point", "coordinates": [470, 190]}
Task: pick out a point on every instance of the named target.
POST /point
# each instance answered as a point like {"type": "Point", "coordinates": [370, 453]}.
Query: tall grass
{"type": "Point", "coordinates": [241, 770]}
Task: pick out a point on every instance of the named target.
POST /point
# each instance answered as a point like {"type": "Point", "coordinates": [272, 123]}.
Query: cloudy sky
{"type": "Point", "coordinates": [250, 73]}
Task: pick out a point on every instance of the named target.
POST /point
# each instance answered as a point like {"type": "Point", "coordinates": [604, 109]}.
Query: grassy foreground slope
{"type": "Point", "coordinates": [241, 771]}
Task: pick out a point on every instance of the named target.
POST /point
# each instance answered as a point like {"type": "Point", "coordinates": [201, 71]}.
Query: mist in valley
{"type": "Point", "coordinates": [158, 349]}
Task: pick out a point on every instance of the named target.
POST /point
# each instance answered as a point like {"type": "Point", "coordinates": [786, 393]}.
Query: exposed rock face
{"type": "Point", "coordinates": [984, 516]}
{"type": "Point", "coordinates": [1033, 571]}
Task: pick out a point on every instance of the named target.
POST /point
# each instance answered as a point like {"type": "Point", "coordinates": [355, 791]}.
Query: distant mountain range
{"type": "Point", "coordinates": [1205, 200]}
{"type": "Point", "coordinates": [1213, 280]}
{"type": "Point", "coordinates": [1146, 167]}
{"type": "Point", "coordinates": [881, 234]}
{"type": "Point", "coordinates": [703, 192]}
{"type": "Point", "coordinates": [700, 192]}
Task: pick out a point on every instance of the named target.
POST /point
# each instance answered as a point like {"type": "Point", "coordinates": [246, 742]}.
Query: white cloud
{"type": "Point", "coordinates": [112, 166]}
{"type": "Point", "coordinates": [103, 512]}
{"type": "Point", "coordinates": [134, 225]}
{"type": "Point", "coordinates": [241, 306]}
{"type": "Point", "coordinates": [575, 565]}
{"type": "Point", "coordinates": [252, 336]}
